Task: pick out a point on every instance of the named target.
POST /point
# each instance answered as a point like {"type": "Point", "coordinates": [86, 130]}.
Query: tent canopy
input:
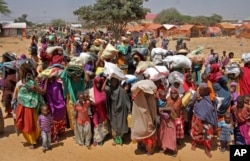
{"type": "Point", "coordinates": [20, 25]}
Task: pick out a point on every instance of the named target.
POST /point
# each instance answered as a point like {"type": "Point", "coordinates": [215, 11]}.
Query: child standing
{"type": "Point", "coordinates": [82, 129]}
{"type": "Point", "coordinates": [45, 122]}
{"type": "Point", "coordinates": [226, 131]}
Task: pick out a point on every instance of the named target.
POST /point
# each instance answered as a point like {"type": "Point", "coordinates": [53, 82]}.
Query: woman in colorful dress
{"type": "Point", "coordinates": [29, 101]}
{"type": "Point", "coordinates": [73, 82]}
{"type": "Point", "coordinates": [98, 97]}
{"type": "Point", "coordinates": [204, 120]}
{"type": "Point", "coordinates": [56, 103]}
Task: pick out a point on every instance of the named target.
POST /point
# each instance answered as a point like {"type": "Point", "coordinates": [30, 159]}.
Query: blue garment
{"type": "Point", "coordinates": [161, 104]}
{"type": "Point", "coordinates": [226, 131]}
{"type": "Point", "coordinates": [203, 109]}
{"type": "Point", "coordinates": [222, 91]}
{"type": "Point", "coordinates": [197, 74]}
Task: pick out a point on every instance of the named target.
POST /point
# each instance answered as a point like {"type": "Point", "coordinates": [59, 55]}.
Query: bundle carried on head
{"type": "Point", "coordinates": [233, 68]}
{"type": "Point", "coordinates": [157, 72]}
{"type": "Point", "coordinates": [246, 57]}
{"type": "Point", "coordinates": [109, 52]}
{"type": "Point", "coordinates": [178, 61]}
{"type": "Point", "coordinates": [53, 71]}
{"type": "Point", "coordinates": [196, 56]}
{"type": "Point", "coordinates": [74, 70]}
{"type": "Point", "coordinates": [113, 71]}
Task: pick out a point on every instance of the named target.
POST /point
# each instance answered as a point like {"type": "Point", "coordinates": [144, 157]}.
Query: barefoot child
{"type": "Point", "coordinates": [45, 122]}
{"type": "Point", "coordinates": [83, 133]}
{"type": "Point", "coordinates": [226, 131]}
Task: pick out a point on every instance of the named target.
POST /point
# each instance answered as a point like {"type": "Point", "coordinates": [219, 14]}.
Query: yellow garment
{"type": "Point", "coordinates": [70, 111]}
{"type": "Point", "coordinates": [186, 99]}
{"type": "Point", "coordinates": [31, 138]}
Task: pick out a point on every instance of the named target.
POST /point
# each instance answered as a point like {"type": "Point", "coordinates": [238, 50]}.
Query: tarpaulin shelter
{"type": "Point", "coordinates": [214, 31]}
{"type": "Point", "coordinates": [14, 29]}
{"type": "Point", "coordinates": [243, 31]}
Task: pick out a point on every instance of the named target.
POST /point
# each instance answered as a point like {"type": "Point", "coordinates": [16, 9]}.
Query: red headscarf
{"type": "Point", "coordinates": [215, 73]}
{"type": "Point", "coordinates": [187, 85]}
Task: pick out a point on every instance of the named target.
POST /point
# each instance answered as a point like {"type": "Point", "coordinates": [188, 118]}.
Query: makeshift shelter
{"type": "Point", "coordinates": [226, 28]}
{"type": "Point", "coordinates": [14, 29]}
{"type": "Point", "coordinates": [197, 30]}
{"type": "Point", "coordinates": [243, 31]}
{"type": "Point", "coordinates": [183, 31]}
{"type": "Point", "coordinates": [170, 30]}
{"type": "Point", "coordinates": [156, 29]}
{"type": "Point", "coordinates": [214, 31]}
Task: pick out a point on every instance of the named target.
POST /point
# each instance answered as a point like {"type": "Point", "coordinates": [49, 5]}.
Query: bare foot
{"type": "Point", "coordinates": [8, 115]}
{"type": "Point", "coordinates": [32, 146]}
{"type": "Point", "coordinates": [193, 147]}
{"type": "Point", "coordinates": [208, 153]}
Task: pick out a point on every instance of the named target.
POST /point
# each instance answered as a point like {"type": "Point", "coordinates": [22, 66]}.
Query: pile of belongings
{"type": "Point", "coordinates": [246, 57]}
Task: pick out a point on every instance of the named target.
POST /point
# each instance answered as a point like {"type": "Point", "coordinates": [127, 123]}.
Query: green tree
{"type": "Point", "coordinates": [4, 8]}
{"type": "Point", "coordinates": [57, 22]}
{"type": "Point", "coordinates": [23, 18]}
{"type": "Point", "coordinates": [170, 15]}
{"type": "Point", "coordinates": [214, 19]}
{"type": "Point", "coordinates": [113, 14]}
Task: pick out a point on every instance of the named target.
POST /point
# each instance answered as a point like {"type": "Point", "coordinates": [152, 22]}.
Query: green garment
{"type": "Point", "coordinates": [72, 87]}
{"type": "Point", "coordinates": [28, 98]}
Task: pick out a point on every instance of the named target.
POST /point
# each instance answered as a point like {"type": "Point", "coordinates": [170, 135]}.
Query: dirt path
{"type": "Point", "coordinates": [14, 148]}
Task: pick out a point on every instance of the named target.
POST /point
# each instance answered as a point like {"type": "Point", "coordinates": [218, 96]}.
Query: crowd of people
{"type": "Point", "coordinates": [59, 87]}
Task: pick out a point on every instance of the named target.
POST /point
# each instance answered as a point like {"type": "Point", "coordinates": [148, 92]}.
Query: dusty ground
{"type": "Point", "coordinates": [13, 147]}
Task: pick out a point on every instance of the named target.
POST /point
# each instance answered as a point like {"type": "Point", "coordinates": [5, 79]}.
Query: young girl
{"type": "Point", "coordinates": [226, 130]}
{"type": "Point", "coordinates": [45, 122]}
{"type": "Point", "coordinates": [234, 92]}
{"type": "Point", "coordinates": [82, 129]}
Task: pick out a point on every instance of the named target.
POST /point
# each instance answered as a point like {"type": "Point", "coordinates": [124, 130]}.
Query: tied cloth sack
{"type": "Point", "coordinates": [196, 56]}
{"type": "Point", "coordinates": [157, 72]}
{"type": "Point", "coordinates": [178, 61]}
{"type": "Point", "coordinates": [143, 65]}
{"type": "Point", "coordinates": [246, 57]}
{"type": "Point", "coordinates": [109, 52]}
{"type": "Point", "coordinates": [233, 68]}
{"type": "Point", "coordinates": [113, 71]}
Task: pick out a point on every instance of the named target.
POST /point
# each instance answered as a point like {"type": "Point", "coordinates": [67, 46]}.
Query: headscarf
{"type": "Point", "coordinates": [215, 73]}
{"type": "Point", "coordinates": [175, 104]}
{"type": "Point", "coordinates": [187, 85]}
{"type": "Point", "coordinates": [234, 93]}
{"type": "Point", "coordinates": [100, 99]}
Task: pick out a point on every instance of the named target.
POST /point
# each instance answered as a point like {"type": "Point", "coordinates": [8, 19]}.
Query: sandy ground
{"type": "Point", "coordinates": [14, 148]}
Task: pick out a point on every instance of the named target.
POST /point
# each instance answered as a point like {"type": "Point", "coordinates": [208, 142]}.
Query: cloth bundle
{"type": "Point", "coordinates": [113, 71]}
{"type": "Point", "coordinates": [53, 71]}
{"type": "Point", "coordinates": [178, 61]}
{"type": "Point", "coordinates": [143, 65]}
{"type": "Point", "coordinates": [109, 52]}
{"type": "Point", "coordinates": [233, 68]}
{"type": "Point", "coordinates": [74, 70]}
{"type": "Point", "coordinates": [246, 57]}
{"type": "Point", "coordinates": [156, 72]}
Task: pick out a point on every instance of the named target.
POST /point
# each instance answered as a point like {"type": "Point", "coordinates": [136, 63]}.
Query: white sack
{"type": "Point", "coordinates": [113, 71]}
{"type": "Point", "coordinates": [156, 72]}
{"type": "Point", "coordinates": [178, 61]}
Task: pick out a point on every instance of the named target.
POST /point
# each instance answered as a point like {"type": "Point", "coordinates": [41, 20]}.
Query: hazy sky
{"type": "Point", "coordinates": [45, 10]}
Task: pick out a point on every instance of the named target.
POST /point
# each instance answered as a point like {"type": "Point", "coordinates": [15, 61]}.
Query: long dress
{"type": "Point", "coordinates": [203, 121]}
{"type": "Point", "coordinates": [71, 88]}
{"type": "Point", "coordinates": [144, 115]}
{"type": "Point", "coordinates": [99, 112]}
{"type": "Point", "coordinates": [57, 105]}
{"type": "Point", "coordinates": [118, 106]}
{"type": "Point", "coordinates": [28, 105]}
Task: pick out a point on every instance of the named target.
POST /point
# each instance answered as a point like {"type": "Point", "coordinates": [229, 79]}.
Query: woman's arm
{"type": "Point", "coordinates": [42, 91]}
